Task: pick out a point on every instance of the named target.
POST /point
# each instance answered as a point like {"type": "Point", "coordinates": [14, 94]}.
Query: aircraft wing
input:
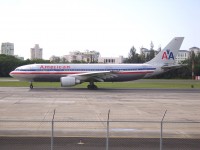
{"type": "Point", "coordinates": [96, 76]}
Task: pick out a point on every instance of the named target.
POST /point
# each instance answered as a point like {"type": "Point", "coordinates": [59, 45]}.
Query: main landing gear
{"type": "Point", "coordinates": [92, 86]}
{"type": "Point", "coordinates": [31, 85]}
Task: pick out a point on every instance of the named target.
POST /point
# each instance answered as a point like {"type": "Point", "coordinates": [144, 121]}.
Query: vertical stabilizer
{"type": "Point", "coordinates": [168, 54]}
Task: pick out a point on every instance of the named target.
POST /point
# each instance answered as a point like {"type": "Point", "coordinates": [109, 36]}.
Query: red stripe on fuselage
{"type": "Point", "coordinates": [46, 72]}
{"type": "Point", "coordinates": [39, 73]}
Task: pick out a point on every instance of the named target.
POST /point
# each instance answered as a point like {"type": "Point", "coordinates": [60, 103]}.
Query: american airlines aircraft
{"type": "Point", "coordinates": [72, 74]}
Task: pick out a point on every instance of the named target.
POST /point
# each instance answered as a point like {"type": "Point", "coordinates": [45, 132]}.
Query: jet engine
{"type": "Point", "coordinates": [69, 81]}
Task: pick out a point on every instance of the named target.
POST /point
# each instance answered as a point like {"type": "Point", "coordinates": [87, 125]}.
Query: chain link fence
{"type": "Point", "coordinates": [99, 135]}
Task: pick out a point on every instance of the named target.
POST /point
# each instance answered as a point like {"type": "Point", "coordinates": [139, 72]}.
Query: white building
{"type": "Point", "coordinates": [87, 56]}
{"type": "Point", "coordinates": [74, 56]}
{"type": "Point", "coordinates": [36, 52]}
{"type": "Point", "coordinates": [181, 56]}
{"type": "Point", "coordinates": [55, 59]}
{"type": "Point", "coordinates": [111, 60]}
{"type": "Point", "coordinates": [196, 50]}
{"type": "Point", "coordinates": [144, 51]}
{"type": "Point", "coordinates": [7, 48]}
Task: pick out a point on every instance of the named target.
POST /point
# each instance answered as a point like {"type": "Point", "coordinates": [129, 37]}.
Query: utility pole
{"type": "Point", "coordinates": [192, 57]}
{"type": "Point", "coordinates": [193, 69]}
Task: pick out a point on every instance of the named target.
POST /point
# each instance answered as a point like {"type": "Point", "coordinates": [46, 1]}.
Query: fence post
{"type": "Point", "coordinates": [161, 130]}
{"type": "Point", "coordinates": [52, 130]}
{"type": "Point", "coordinates": [107, 138]}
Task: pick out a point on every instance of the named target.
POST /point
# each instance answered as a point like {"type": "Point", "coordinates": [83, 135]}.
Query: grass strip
{"type": "Point", "coordinates": [146, 83]}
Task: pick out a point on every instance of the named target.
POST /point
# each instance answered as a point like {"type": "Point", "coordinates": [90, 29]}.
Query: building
{"type": "Point", "coordinates": [54, 59]}
{"type": "Point", "coordinates": [74, 56]}
{"type": "Point", "coordinates": [19, 57]}
{"type": "Point", "coordinates": [36, 52]}
{"type": "Point", "coordinates": [196, 50]}
{"type": "Point", "coordinates": [87, 56]}
{"type": "Point", "coordinates": [181, 56]}
{"type": "Point", "coordinates": [146, 52]}
{"type": "Point", "coordinates": [7, 48]}
{"type": "Point", "coordinates": [111, 60]}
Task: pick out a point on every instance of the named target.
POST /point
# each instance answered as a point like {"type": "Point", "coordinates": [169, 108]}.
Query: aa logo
{"type": "Point", "coordinates": [168, 55]}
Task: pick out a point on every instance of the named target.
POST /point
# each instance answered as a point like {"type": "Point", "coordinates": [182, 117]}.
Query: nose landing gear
{"type": "Point", "coordinates": [31, 85]}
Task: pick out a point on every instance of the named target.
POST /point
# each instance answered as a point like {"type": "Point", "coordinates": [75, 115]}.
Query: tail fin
{"type": "Point", "coordinates": [168, 54]}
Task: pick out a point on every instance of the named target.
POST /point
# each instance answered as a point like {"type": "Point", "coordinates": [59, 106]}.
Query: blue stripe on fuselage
{"type": "Point", "coordinates": [118, 69]}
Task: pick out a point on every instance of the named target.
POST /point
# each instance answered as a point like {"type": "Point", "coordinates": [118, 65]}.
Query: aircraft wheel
{"type": "Point", "coordinates": [95, 87]}
{"type": "Point", "coordinates": [89, 87]}
{"type": "Point", "coordinates": [92, 87]}
{"type": "Point", "coordinates": [31, 86]}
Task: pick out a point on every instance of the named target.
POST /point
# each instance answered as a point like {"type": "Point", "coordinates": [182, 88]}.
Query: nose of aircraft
{"type": "Point", "coordinates": [11, 74]}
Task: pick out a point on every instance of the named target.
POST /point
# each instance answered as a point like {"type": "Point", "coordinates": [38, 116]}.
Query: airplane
{"type": "Point", "coordinates": [73, 74]}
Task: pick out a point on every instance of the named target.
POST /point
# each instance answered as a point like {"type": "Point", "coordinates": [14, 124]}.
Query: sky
{"type": "Point", "coordinates": [110, 27]}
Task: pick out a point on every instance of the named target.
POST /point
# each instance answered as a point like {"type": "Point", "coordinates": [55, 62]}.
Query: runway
{"type": "Point", "coordinates": [82, 104]}
{"type": "Point", "coordinates": [80, 113]}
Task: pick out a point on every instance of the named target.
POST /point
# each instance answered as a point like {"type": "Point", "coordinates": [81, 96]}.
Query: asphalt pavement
{"type": "Point", "coordinates": [82, 143]}
{"type": "Point", "coordinates": [27, 106]}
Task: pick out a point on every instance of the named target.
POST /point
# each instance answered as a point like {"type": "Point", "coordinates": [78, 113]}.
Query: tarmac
{"type": "Point", "coordinates": [21, 103]}
{"type": "Point", "coordinates": [80, 113]}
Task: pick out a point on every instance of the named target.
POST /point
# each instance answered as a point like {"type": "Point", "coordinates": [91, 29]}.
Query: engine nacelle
{"type": "Point", "coordinates": [69, 81]}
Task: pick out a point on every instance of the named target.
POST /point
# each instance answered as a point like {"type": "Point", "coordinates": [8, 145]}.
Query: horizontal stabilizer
{"type": "Point", "coordinates": [166, 68]}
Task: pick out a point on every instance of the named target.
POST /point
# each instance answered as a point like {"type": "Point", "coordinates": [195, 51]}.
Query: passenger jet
{"type": "Point", "coordinates": [73, 74]}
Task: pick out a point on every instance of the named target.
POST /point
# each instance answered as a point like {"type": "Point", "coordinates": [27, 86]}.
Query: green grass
{"type": "Point", "coordinates": [26, 84]}
{"type": "Point", "coordinates": [146, 83]}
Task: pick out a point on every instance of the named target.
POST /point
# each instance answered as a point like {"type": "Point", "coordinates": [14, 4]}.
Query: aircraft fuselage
{"type": "Point", "coordinates": [53, 72]}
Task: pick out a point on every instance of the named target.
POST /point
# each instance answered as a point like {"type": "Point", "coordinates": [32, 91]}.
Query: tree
{"type": "Point", "coordinates": [55, 59]}
{"type": "Point", "coordinates": [133, 57]}
{"type": "Point", "coordinates": [150, 55]}
{"type": "Point", "coordinates": [196, 60]}
{"type": "Point", "coordinates": [75, 61]}
{"type": "Point", "coordinates": [39, 61]}
{"type": "Point", "coordinates": [63, 60]}
{"type": "Point", "coordinates": [8, 63]}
